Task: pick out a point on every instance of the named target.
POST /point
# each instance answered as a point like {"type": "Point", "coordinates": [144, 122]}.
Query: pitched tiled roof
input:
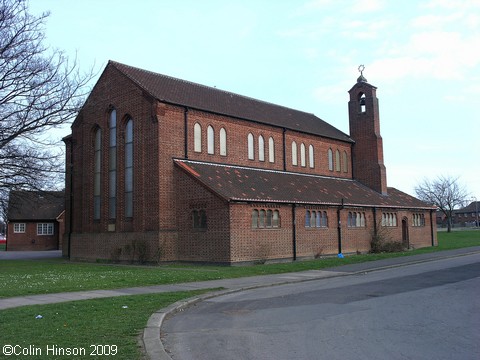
{"type": "Point", "coordinates": [185, 93]}
{"type": "Point", "coordinates": [234, 183]}
{"type": "Point", "coordinates": [35, 205]}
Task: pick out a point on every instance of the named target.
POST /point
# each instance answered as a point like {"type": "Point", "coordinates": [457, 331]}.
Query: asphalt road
{"type": "Point", "coordinates": [423, 311]}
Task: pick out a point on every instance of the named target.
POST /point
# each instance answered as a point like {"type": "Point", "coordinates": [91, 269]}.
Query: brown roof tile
{"type": "Point", "coordinates": [185, 93]}
{"type": "Point", "coordinates": [35, 205]}
{"type": "Point", "coordinates": [234, 183]}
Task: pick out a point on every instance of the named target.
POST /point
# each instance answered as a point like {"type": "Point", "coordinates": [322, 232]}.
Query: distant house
{"type": "Point", "coordinates": [35, 220]}
{"type": "Point", "coordinates": [468, 215]}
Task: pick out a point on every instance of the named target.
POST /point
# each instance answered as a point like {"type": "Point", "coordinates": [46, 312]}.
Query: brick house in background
{"type": "Point", "coordinates": [35, 220]}
{"type": "Point", "coordinates": [178, 171]}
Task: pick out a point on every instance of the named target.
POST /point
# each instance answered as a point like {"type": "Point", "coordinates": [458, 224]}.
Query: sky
{"type": "Point", "coordinates": [423, 57]}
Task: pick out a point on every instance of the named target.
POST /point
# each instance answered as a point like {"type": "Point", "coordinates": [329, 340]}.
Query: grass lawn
{"type": "Point", "coordinates": [116, 323]}
{"type": "Point", "coordinates": [50, 276]}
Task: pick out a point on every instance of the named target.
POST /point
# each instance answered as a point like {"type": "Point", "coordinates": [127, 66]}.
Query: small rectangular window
{"type": "Point", "coordinates": [45, 229]}
{"type": "Point", "coordinates": [19, 227]}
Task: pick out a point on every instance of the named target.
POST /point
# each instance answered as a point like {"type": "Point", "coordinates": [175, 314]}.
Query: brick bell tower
{"type": "Point", "coordinates": [367, 152]}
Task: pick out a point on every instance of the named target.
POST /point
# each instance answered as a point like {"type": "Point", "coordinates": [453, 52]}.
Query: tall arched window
{"type": "Point", "coordinates": [251, 150]}
{"type": "Point", "coordinates": [311, 157]}
{"type": "Point", "coordinates": [303, 160]}
{"type": "Point", "coordinates": [271, 150]}
{"type": "Point", "coordinates": [129, 168]}
{"type": "Point", "coordinates": [261, 148]}
{"type": "Point", "coordinates": [210, 140]}
{"type": "Point", "coordinates": [197, 137]}
{"type": "Point", "coordinates": [330, 160]}
{"type": "Point", "coordinates": [337, 160]}
{"type": "Point", "coordinates": [112, 166]}
{"type": "Point", "coordinates": [223, 142]}
{"type": "Point", "coordinates": [345, 161]}
{"type": "Point", "coordinates": [97, 179]}
{"type": "Point", "coordinates": [294, 153]}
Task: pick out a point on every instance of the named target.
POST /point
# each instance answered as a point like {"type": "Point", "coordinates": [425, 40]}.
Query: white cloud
{"type": "Point", "coordinates": [367, 6]}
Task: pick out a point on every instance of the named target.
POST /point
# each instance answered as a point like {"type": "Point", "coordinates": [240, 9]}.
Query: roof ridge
{"type": "Point", "coordinates": [213, 88]}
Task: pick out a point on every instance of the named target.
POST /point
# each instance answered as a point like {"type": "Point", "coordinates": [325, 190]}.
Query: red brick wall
{"type": "Point", "coordinates": [250, 244]}
{"type": "Point", "coordinates": [210, 244]}
{"type": "Point", "coordinates": [312, 241]}
{"type": "Point", "coordinates": [237, 145]}
{"type": "Point", "coordinates": [29, 240]}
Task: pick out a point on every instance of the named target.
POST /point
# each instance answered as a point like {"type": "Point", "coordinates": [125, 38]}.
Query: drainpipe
{"type": "Point", "coordinates": [185, 125]}
{"type": "Point", "coordinates": [375, 221]}
{"type": "Point", "coordinates": [284, 150]}
{"type": "Point", "coordinates": [294, 231]}
{"type": "Point", "coordinates": [432, 234]}
{"type": "Point", "coordinates": [339, 227]}
{"type": "Point", "coordinates": [70, 202]}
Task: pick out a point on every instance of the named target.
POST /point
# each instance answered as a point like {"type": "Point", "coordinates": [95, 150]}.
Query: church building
{"type": "Point", "coordinates": [163, 169]}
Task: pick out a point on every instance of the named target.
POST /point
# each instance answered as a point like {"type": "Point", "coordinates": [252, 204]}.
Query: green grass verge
{"type": "Point", "coordinates": [115, 323]}
{"type": "Point", "coordinates": [51, 276]}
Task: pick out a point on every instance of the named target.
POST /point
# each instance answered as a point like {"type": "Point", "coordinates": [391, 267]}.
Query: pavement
{"type": "Point", "coordinates": [151, 337]}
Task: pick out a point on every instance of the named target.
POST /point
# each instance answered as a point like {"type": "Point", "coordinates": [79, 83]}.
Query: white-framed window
{"type": "Point", "coordinates": [45, 229]}
{"type": "Point", "coordinates": [19, 227]}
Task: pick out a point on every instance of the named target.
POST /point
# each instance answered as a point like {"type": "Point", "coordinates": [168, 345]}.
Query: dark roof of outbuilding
{"type": "Point", "coordinates": [235, 183]}
{"type": "Point", "coordinates": [201, 97]}
{"type": "Point", "coordinates": [35, 205]}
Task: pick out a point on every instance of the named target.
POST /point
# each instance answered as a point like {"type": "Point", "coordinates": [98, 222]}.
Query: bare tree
{"type": "Point", "coordinates": [444, 192]}
{"type": "Point", "coordinates": [40, 90]}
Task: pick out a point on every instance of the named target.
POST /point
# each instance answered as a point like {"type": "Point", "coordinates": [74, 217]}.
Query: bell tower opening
{"type": "Point", "coordinates": [361, 102]}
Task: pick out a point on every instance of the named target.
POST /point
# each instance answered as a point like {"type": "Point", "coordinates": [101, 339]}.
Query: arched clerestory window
{"type": "Point", "coordinates": [210, 140]}
{"type": "Point", "coordinates": [223, 142]}
{"type": "Point", "coordinates": [261, 148]}
{"type": "Point", "coordinates": [251, 147]}
{"type": "Point", "coordinates": [330, 159]}
{"type": "Point", "coordinates": [271, 150]}
{"type": "Point", "coordinates": [197, 138]}
{"type": "Point", "coordinates": [294, 154]}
